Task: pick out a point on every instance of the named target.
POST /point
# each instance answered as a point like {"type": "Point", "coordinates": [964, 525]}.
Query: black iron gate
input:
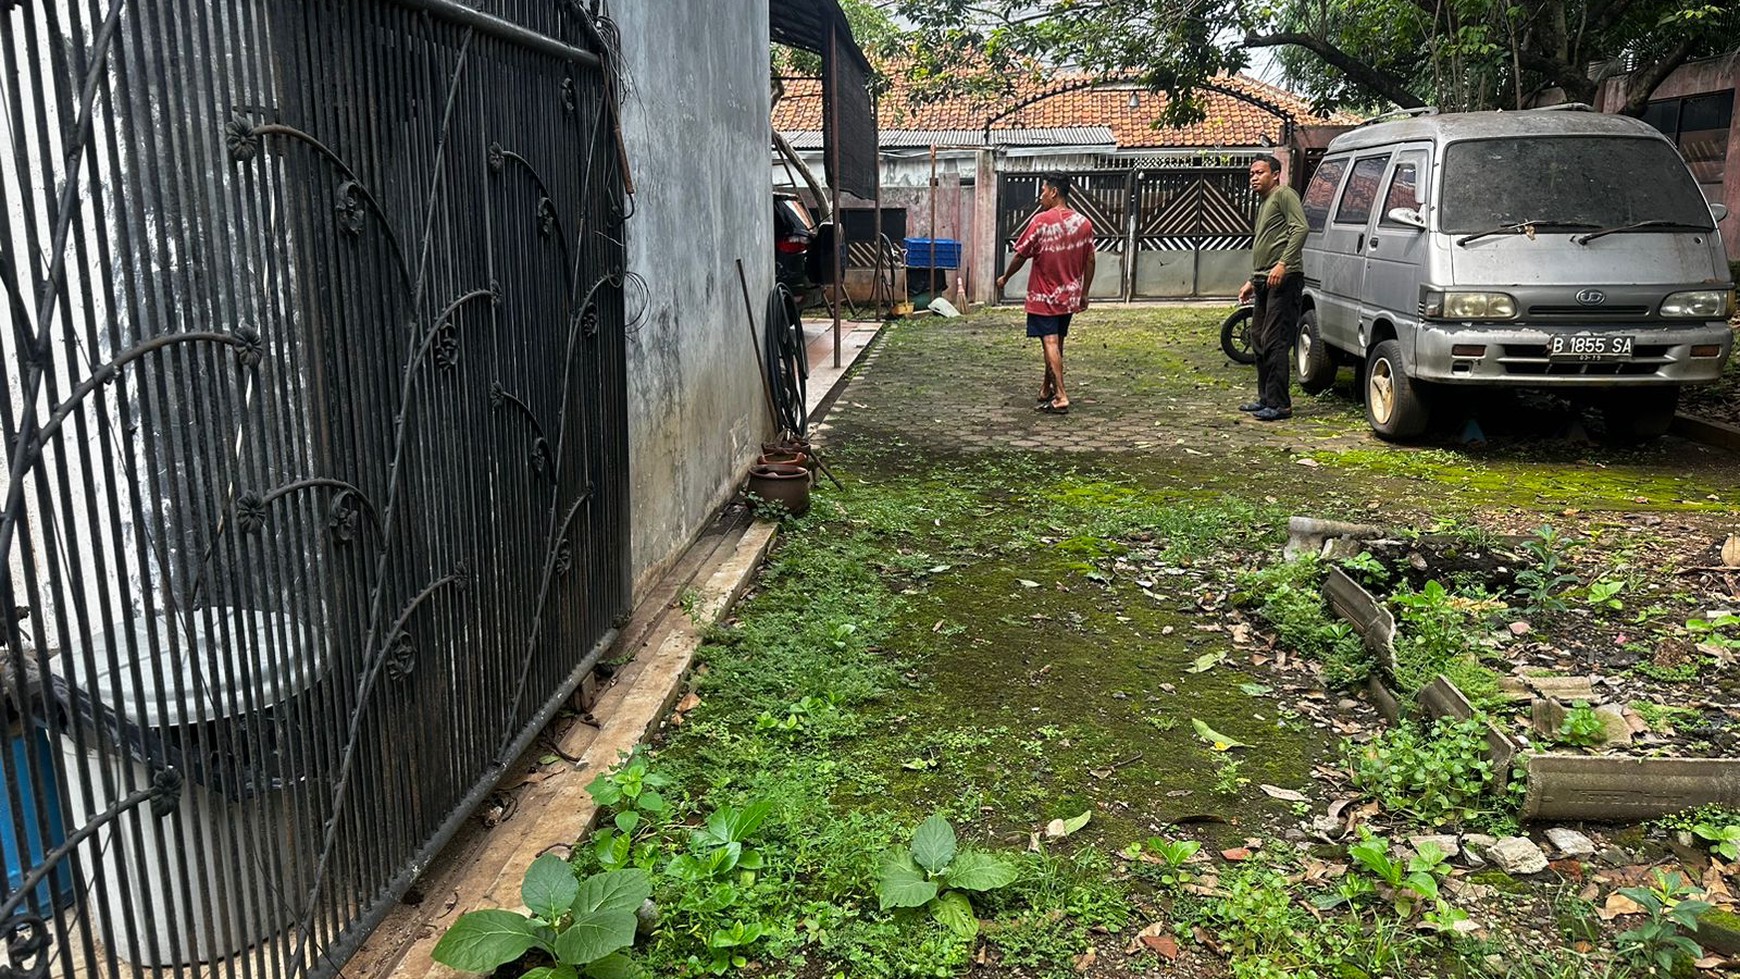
{"type": "Point", "coordinates": [316, 450]}
{"type": "Point", "coordinates": [1176, 231]}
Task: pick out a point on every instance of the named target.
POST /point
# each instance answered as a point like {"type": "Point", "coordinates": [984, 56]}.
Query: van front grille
{"type": "Point", "coordinates": [1589, 312]}
{"type": "Point", "coordinates": [1530, 359]}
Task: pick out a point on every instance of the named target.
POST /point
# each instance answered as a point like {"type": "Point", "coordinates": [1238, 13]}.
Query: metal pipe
{"type": "Point", "coordinates": [833, 124]}
{"type": "Point", "coordinates": [495, 27]}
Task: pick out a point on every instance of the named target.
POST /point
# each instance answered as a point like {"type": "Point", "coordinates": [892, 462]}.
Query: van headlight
{"type": "Point", "coordinates": [1469, 306]}
{"type": "Point", "coordinates": [1707, 304]}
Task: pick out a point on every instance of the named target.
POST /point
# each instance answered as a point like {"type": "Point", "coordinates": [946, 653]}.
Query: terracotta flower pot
{"type": "Point", "coordinates": [783, 457]}
{"type": "Point", "coordinates": [782, 483]}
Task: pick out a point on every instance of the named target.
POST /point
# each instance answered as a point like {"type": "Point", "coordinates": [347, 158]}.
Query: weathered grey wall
{"type": "Point", "coordinates": [697, 130]}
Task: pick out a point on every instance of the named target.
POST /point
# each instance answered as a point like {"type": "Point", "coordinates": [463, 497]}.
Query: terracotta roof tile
{"type": "Point", "coordinates": [1230, 121]}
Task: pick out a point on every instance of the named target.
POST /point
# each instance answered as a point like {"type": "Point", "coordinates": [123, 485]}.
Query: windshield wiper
{"type": "Point", "coordinates": [1638, 226]}
{"type": "Point", "coordinates": [1522, 226]}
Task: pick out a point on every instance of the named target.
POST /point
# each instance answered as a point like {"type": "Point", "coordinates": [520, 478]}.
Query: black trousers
{"type": "Point", "coordinates": [1274, 329]}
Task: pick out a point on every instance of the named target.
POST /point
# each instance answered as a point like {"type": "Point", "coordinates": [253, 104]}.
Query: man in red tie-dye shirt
{"type": "Point", "coordinates": [1060, 243]}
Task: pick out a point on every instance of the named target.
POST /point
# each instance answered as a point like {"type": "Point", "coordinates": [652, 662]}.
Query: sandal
{"type": "Point", "coordinates": [1054, 409]}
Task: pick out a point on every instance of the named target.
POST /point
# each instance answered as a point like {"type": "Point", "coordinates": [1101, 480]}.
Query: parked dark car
{"type": "Point", "coordinates": [793, 232]}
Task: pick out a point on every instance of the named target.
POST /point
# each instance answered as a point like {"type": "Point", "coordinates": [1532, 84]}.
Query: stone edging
{"type": "Point", "coordinates": [1719, 434]}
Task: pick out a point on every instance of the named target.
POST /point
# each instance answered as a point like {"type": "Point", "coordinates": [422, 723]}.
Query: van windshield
{"type": "Point", "coordinates": [1598, 181]}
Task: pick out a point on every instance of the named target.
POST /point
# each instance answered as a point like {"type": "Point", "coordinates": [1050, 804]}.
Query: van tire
{"type": "Point", "coordinates": [1313, 358]}
{"type": "Point", "coordinates": [1395, 406]}
{"type": "Point", "coordinates": [1640, 414]}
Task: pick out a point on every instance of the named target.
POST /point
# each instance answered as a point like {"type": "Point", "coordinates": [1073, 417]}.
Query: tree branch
{"type": "Point", "coordinates": [1578, 86]}
{"type": "Point", "coordinates": [1643, 83]}
{"type": "Point", "coordinates": [1374, 80]}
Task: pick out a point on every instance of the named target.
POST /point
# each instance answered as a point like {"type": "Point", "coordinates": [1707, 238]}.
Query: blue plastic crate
{"type": "Point", "coordinates": [21, 859]}
{"type": "Point", "coordinates": [920, 254]}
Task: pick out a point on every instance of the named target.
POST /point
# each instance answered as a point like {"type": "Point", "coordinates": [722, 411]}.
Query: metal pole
{"type": "Point", "coordinates": [834, 181]}
{"type": "Point", "coordinates": [930, 274]}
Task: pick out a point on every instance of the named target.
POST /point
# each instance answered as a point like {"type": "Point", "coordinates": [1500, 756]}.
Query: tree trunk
{"type": "Point", "coordinates": [1373, 80]}
{"type": "Point", "coordinates": [1642, 83]}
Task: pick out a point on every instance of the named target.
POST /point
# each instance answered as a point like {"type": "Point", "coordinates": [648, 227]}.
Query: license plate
{"type": "Point", "coordinates": [1586, 347]}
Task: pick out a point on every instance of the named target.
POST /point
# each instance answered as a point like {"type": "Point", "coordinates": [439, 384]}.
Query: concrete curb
{"type": "Point", "coordinates": [559, 812]}
{"type": "Point", "coordinates": [1719, 434]}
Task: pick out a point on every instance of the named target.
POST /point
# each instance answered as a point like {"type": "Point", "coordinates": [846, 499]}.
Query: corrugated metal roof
{"type": "Point", "coordinates": [810, 139]}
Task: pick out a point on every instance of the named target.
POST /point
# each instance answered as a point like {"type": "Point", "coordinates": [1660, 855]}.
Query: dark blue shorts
{"type": "Point", "coordinates": [1048, 326]}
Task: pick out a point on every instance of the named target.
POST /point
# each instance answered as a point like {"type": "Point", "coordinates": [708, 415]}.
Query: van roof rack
{"type": "Point", "coordinates": [1422, 110]}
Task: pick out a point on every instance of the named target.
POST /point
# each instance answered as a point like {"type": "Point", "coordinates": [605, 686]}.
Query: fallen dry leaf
{"type": "Point", "coordinates": [1285, 795]}
{"type": "Point", "coordinates": [1236, 854]}
{"type": "Point", "coordinates": [1618, 904]}
{"type": "Point", "coordinates": [1731, 551]}
{"type": "Point", "coordinates": [688, 703]}
{"type": "Point", "coordinates": [1165, 945]}
{"type": "Point", "coordinates": [1520, 628]}
{"type": "Point", "coordinates": [1711, 962]}
{"type": "Point", "coordinates": [1086, 960]}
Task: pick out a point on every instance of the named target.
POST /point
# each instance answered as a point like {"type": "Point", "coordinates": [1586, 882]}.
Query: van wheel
{"type": "Point", "coordinates": [1313, 358]}
{"type": "Point", "coordinates": [1394, 404]}
{"type": "Point", "coordinates": [1640, 414]}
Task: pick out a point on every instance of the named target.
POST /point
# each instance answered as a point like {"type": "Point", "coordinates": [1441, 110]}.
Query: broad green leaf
{"type": "Point", "coordinates": [973, 871]}
{"type": "Point", "coordinates": [900, 884]}
{"type": "Point", "coordinates": [933, 846]}
{"type": "Point", "coordinates": [1074, 823]}
{"type": "Point", "coordinates": [618, 890]}
{"type": "Point", "coordinates": [552, 972]}
{"type": "Point", "coordinates": [482, 940]}
{"type": "Point", "coordinates": [1207, 661]}
{"type": "Point", "coordinates": [1215, 739]}
{"type": "Point", "coordinates": [1255, 689]}
{"type": "Point", "coordinates": [627, 821]}
{"type": "Point", "coordinates": [593, 936]}
{"type": "Point", "coordinates": [617, 966]}
{"type": "Point", "coordinates": [652, 802]}
{"type": "Point", "coordinates": [549, 887]}
{"type": "Point", "coordinates": [955, 913]}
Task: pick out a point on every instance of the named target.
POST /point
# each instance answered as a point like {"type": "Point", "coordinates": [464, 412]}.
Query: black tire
{"type": "Point", "coordinates": [1235, 337]}
{"type": "Point", "coordinates": [1313, 358]}
{"type": "Point", "coordinates": [1639, 414]}
{"type": "Point", "coordinates": [1395, 406]}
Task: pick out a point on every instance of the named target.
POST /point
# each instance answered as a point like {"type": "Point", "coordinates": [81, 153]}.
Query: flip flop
{"type": "Point", "coordinates": [1052, 409]}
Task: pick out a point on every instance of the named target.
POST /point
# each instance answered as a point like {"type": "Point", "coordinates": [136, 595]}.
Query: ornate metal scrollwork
{"type": "Point", "coordinates": [497, 158]}
{"type": "Point", "coordinates": [242, 140]}
{"type": "Point", "coordinates": [166, 786]}
{"type": "Point", "coordinates": [446, 347]}
{"type": "Point", "coordinates": [546, 217]}
{"type": "Point", "coordinates": [250, 512]}
{"type": "Point", "coordinates": [564, 558]}
{"type": "Point", "coordinates": [341, 518]}
{"type": "Point", "coordinates": [570, 100]}
{"type": "Point", "coordinates": [401, 657]}
{"type": "Point", "coordinates": [589, 320]}
{"type": "Point", "coordinates": [543, 461]}
{"type": "Point", "coordinates": [27, 943]}
{"type": "Point", "coordinates": [350, 208]}
{"type": "Point", "coordinates": [250, 346]}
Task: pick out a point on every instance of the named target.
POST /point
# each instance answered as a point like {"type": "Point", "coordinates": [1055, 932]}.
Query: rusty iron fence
{"type": "Point", "coordinates": [316, 451]}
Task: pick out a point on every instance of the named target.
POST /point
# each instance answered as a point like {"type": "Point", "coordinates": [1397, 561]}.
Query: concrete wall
{"type": "Point", "coordinates": [696, 123]}
{"type": "Point", "coordinates": [1714, 75]}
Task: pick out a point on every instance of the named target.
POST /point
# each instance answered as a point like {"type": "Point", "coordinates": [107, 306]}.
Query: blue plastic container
{"type": "Point", "coordinates": [919, 253]}
{"type": "Point", "coordinates": [21, 859]}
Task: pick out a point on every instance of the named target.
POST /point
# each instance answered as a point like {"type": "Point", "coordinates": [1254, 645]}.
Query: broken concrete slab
{"type": "Point", "coordinates": [1517, 855]}
{"type": "Point", "coordinates": [1570, 843]}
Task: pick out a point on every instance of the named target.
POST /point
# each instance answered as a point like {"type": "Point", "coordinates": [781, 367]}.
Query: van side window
{"type": "Point", "coordinates": [1403, 183]}
{"type": "Point", "coordinates": [1320, 193]}
{"type": "Point", "coordinates": [1362, 190]}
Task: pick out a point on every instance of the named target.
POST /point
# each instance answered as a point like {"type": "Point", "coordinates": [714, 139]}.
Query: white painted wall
{"type": "Point", "coordinates": [697, 128]}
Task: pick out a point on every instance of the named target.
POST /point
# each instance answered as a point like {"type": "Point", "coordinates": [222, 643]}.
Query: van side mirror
{"type": "Point", "coordinates": [1718, 211]}
{"type": "Point", "coordinates": [1407, 216]}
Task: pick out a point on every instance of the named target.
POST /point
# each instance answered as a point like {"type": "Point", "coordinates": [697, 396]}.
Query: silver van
{"type": "Point", "coordinates": [1548, 248]}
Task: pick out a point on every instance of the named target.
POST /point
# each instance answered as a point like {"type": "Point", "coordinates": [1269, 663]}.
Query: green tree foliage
{"type": "Point", "coordinates": [1457, 54]}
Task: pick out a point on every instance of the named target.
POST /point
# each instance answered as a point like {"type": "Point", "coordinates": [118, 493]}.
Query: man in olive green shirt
{"type": "Point", "coordinates": [1277, 256]}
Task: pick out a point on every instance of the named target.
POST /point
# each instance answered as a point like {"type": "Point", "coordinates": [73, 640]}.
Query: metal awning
{"type": "Point", "coordinates": [848, 115]}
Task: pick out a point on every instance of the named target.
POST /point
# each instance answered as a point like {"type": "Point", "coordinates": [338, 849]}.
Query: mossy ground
{"type": "Point", "coordinates": [999, 615]}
